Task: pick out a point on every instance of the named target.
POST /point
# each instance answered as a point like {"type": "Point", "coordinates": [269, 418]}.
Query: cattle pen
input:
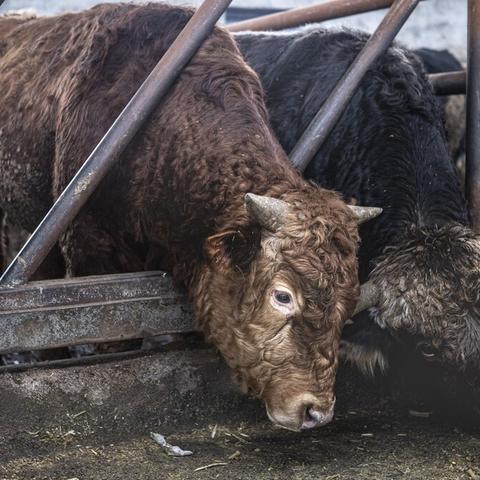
{"type": "Point", "coordinates": [89, 420]}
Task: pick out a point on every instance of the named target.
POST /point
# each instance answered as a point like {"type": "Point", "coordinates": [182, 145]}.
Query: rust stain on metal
{"type": "Point", "coordinates": [95, 309]}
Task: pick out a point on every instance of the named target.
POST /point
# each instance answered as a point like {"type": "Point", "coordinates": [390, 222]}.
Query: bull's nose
{"type": "Point", "coordinates": [314, 417]}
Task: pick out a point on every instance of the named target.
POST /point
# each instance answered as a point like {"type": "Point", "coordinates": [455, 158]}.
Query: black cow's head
{"type": "Point", "coordinates": [426, 292]}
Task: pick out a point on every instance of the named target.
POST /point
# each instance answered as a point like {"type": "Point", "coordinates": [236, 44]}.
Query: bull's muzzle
{"type": "Point", "coordinates": [303, 413]}
{"type": "Point", "coordinates": [314, 417]}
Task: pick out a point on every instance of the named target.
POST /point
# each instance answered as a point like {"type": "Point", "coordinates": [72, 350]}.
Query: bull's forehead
{"type": "Point", "coordinates": [315, 274]}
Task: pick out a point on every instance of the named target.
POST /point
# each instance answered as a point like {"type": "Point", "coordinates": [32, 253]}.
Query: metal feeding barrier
{"type": "Point", "coordinates": [443, 83]}
{"type": "Point", "coordinates": [326, 118]}
{"type": "Point", "coordinates": [328, 10]}
{"type": "Point", "coordinates": [56, 313]}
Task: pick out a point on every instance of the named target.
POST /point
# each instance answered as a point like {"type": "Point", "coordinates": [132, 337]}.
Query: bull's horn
{"type": "Point", "coordinates": [369, 296]}
{"type": "Point", "coordinates": [364, 214]}
{"type": "Point", "coordinates": [269, 212]}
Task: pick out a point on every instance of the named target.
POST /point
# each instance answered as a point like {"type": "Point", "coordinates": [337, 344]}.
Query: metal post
{"type": "Point", "coordinates": [448, 83]}
{"type": "Point", "coordinates": [473, 114]}
{"type": "Point", "coordinates": [114, 142]}
{"type": "Point", "coordinates": [328, 115]}
{"type": "Point", "coordinates": [315, 13]}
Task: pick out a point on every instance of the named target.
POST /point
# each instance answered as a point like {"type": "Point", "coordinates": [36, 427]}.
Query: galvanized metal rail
{"type": "Point", "coordinates": [331, 110]}
{"type": "Point", "coordinates": [473, 114]}
{"type": "Point", "coordinates": [114, 142]}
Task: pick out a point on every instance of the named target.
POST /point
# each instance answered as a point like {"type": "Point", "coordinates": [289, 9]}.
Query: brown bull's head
{"type": "Point", "coordinates": [426, 292]}
{"type": "Point", "coordinates": [274, 296]}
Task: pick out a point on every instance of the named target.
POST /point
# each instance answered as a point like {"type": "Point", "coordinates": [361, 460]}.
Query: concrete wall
{"type": "Point", "coordinates": [435, 23]}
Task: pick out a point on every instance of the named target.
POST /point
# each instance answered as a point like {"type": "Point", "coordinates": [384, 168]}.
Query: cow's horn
{"type": "Point", "coordinates": [364, 214]}
{"type": "Point", "coordinates": [269, 212]}
{"type": "Point", "coordinates": [369, 296]}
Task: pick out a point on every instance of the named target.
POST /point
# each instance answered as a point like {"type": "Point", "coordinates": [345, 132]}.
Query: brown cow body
{"type": "Point", "coordinates": [273, 300]}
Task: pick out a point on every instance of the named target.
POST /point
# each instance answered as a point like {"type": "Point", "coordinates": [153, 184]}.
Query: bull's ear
{"type": "Point", "coordinates": [232, 249]}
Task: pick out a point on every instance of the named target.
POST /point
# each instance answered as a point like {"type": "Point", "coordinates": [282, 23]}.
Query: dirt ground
{"type": "Point", "coordinates": [358, 445]}
{"type": "Point", "coordinates": [374, 443]}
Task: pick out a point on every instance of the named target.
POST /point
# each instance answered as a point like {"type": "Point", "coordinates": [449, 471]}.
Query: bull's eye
{"type": "Point", "coordinates": [283, 297]}
{"type": "Point", "coordinates": [428, 350]}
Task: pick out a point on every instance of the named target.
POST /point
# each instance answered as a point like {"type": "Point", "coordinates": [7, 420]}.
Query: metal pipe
{"type": "Point", "coordinates": [326, 118]}
{"type": "Point", "coordinates": [114, 142]}
{"type": "Point", "coordinates": [74, 362]}
{"type": "Point", "coordinates": [316, 13]}
{"type": "Point", "coordinates": [449, 83]}
{"type": "Point", "coordinates": [473, 114]}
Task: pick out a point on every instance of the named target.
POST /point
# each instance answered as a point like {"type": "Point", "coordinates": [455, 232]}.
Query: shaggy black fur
{"type": "Point", "coordinates": [389, 147]}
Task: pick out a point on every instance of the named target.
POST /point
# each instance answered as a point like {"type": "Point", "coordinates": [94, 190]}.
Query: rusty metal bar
{"type": "Point", "coordinates": [95, 309]}
{"type": "Point", "coordinates": [472, 176]}
{"type": "Point", "coordinates": [449, 83]}
{"type": "Point", "coordinates": [77, 361]}
{"type": "Point", "coordinates": [114, 142]}
{"type": "Point", "coordinates": [326, 118]}
{"type": "Point", "coordinates": [183, 342]}
{"type": "Point", "coordinates": [315, 13]}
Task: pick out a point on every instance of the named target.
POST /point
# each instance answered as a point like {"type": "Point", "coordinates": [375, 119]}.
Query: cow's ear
{"type": "Point", "coordinates": [233, 249]}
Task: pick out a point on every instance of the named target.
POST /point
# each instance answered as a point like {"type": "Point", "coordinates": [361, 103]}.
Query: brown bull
{"type": "Point", "coordinates": [268, 259]}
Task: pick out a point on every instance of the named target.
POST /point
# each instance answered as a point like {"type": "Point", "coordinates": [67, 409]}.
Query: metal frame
{"type": "Point", "coordinates": [117, 307]}
{"type": "Point", "coordinates": [331, 110]}
{"type": "Point", "coordinates": [473, 114]}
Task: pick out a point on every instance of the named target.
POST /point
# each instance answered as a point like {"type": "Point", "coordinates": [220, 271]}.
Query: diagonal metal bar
{"type": "Point", "coordinates": [328, 10]}
{"type": "Point", "coordinates": [326, 118]}
{"type": "Point", "coordinates": [473, 114]}
{"type": "Point", "coordinates": [114, 142]}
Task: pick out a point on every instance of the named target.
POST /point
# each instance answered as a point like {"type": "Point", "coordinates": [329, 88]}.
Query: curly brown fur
{"type": "Point", "coordinates": [180, 186]}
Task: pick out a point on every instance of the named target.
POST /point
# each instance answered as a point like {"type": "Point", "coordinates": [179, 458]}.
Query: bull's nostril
{"type": "Point", "coordinates": [311, 417]}
{"type": "Point", "coordinates": [315, 418]}
{"type": "Point", "coordinates": [312, 414]}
